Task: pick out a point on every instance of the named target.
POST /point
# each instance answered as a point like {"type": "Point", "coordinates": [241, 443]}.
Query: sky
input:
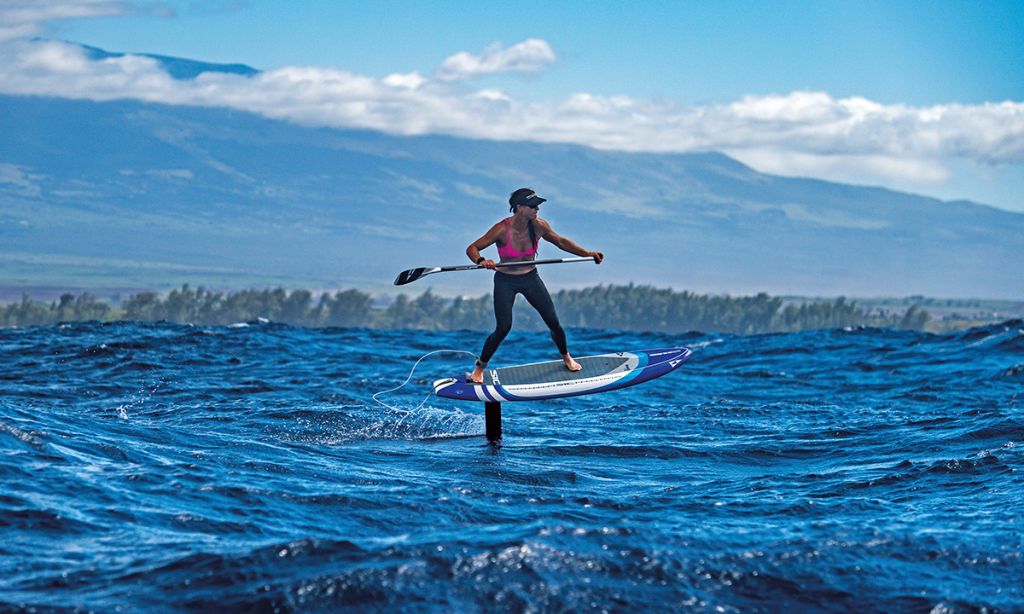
{"type": "Point", "coordinates": [926, 97]}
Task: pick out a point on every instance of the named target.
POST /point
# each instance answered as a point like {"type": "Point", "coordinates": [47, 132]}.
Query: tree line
{"type": "Point", "coordinates": [631, 307]}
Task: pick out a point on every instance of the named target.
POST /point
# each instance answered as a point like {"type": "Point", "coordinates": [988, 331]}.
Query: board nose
{"type": "Point", "coordinates": [681, 355]}
{"type": "Point", "coordinates": [675, 356]}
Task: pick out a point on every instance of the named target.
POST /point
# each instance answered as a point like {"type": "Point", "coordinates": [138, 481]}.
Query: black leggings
{"type": "Point", "coordinates": [532, 287]}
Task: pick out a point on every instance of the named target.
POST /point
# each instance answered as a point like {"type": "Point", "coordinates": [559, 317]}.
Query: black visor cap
{"type": "Point", "coordinates": [527, 197]}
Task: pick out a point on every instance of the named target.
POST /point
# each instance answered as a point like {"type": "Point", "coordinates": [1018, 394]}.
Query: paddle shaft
{"type": "Point", "coordinates": [500, 265]}
{"type": "Point", "coordinates": [406, 277]}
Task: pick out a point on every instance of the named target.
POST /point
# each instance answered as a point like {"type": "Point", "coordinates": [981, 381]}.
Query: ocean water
{"type": "Point", "coordinates": [173, 468]}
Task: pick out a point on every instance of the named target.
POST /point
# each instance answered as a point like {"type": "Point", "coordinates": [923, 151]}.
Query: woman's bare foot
{"type": "Point", "coordinates": [478, 374]}
{"type": "Point", "coordinates": [571, 364]}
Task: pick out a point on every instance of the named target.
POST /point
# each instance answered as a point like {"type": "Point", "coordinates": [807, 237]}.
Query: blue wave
{"type": "Point", "coordinates": [158, 466]}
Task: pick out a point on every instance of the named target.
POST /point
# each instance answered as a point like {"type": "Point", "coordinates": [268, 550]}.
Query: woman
{"type": "Point", "coordinates": [517, 238]}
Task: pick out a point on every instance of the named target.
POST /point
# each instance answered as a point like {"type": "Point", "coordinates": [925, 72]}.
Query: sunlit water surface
{"type": "Point", "coordinates": [156, 466]}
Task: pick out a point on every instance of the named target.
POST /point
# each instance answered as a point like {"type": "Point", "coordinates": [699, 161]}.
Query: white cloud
{"type": "Point", "coordinates": [476, 192]}
{"type": "Point", "coordinates": [409, 80]}
{"type": "Point", "coordinates": [849, 167]}
{"type": "Point", "coordinates": [36, 12]}
{"type": "Point", "coordinates": [20, 180]}
{"type": "Point", "coordinates": [171, 173]}
{"type": "Point", "coordinates": [528, 56]}
{"type": "Point", "coordinates": [800, 133]}
{"type": "Point", "coordinates": [22, 18]}
{"type": "Point", "coordinates": [492, 94]}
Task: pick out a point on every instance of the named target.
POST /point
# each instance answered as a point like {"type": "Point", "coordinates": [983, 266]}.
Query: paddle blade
{"type": "Point", "coordinates": [407, 277]}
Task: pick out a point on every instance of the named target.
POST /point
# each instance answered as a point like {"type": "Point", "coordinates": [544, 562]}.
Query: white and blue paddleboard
{"type": "Point", "coordinates": [551, 380]}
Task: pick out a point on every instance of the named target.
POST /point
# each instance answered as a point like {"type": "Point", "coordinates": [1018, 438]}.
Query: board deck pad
{"type": "Point", "coordinates": [553, 371]}
{"type": "Point", "coordinates": [552, 380]}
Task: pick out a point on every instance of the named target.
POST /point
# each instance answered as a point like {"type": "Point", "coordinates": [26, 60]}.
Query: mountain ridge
{"type": "Point", "coordinates": [232, 199]}
{"type": "Point", "coordinates": [179, 68]}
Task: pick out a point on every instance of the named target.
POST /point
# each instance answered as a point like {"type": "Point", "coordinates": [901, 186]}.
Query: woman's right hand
{"type": "Point", "coordinates": [488, 264]}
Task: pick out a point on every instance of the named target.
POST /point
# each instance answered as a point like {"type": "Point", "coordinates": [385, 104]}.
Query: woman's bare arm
{"type": "Point", "coordinates": [565, 244]}
{"type": "Point", "coordinates": [488, 239]}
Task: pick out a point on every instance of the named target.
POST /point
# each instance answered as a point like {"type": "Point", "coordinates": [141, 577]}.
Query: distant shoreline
{"type": "Point", "coordinates": [939, 307]}
{"type": "Point", "coordinates": [624, 307]}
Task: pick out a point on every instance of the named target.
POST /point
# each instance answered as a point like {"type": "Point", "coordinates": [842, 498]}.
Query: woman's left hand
{"type": "Point", "coordinates": [597, 256]}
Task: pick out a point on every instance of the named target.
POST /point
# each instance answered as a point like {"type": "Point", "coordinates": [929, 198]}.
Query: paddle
{"type": "Point", "coordinates": [407, 277]}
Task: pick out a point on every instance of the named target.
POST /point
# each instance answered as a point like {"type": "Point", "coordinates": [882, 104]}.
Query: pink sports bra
{"type": "Point", "coordinates": [509, 252]}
